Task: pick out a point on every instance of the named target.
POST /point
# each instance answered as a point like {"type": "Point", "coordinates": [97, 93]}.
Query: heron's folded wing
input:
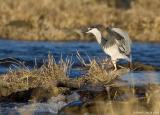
{"type": "Point", "coordinates": [122, 47]}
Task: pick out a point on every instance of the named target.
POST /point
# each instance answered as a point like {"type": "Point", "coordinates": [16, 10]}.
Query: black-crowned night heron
{"type": "Point", "coordinates": [117, 44]}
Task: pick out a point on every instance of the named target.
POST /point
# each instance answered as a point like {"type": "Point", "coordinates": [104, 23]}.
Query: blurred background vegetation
{"type": "Point", "coordinates": [62, 19]}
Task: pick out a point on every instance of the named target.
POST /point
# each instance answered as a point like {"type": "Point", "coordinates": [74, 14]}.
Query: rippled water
{"type": "Point", "coordinates": [148, 53]}
{"type": "Point", "coordinates": [29, 51]}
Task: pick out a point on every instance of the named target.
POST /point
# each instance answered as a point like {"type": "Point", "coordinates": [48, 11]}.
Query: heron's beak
{"type": "Point", "coordinates": [88, 32]}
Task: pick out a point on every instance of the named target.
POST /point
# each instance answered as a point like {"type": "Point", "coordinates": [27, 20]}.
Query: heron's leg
{"type": "Point", "coordinates": [114, 64]}
{"type": "Point", "coordinates": [121, 66]}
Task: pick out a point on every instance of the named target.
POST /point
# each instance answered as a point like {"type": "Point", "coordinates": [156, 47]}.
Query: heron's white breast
{"type": "Point", "coordinates": [114, 52]}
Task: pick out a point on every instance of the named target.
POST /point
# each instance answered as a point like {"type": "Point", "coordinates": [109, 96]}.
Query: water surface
{"type": "Point", "coordinates": [28, 52]}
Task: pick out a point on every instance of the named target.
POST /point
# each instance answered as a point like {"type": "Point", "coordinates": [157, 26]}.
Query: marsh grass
{"type": "Point", "coordinates": [101, 71]}
{"type": "Point", "coordinates": [46, 76]}
{"type": "Point", "coordinates": [114, 99]}
{"type": "Point", "coordinates": [61, 19]}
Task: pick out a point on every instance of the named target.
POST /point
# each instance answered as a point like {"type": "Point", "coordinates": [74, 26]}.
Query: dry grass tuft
{"type": "Point", "coordinates": [45, 76]}
{"type": "Point", "coordinates": [100, 73]}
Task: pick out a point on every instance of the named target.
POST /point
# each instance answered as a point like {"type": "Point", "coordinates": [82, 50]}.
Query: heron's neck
{"type": "Point", "coordinates": [98, 35]}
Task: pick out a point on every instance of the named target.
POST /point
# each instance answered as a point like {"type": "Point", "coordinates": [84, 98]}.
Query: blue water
{"type": "Point", "coordinates": [29, 51]}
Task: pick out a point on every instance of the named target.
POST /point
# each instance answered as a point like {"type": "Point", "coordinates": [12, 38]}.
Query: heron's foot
{"type": "Point", "coordinates": [121, 67]}
{"type": "Point", "coordinates": [115, 69]}
{"type": "Point", "coordinates": [114, 64]}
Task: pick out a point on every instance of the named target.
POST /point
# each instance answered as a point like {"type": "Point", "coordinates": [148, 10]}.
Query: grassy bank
{"type": "Point", "coordinates": [100, 88]}
{"type": "Point", "coordinates": [62, 19]}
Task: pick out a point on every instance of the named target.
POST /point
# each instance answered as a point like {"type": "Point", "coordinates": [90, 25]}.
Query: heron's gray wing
{"type": "Point", "coordinates": [122, 35]}
{"type": "Point", "coordinates": [122, 40]}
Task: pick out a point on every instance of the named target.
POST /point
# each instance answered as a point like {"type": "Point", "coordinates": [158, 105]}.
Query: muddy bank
{"type": "Point", "coordinates": [62, 20]}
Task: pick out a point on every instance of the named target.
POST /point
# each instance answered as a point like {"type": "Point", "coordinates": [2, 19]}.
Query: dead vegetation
{"type": "Point", "coordinates": [22, 78]}
{"type": "Point", "coordinates": [100, 89]}
{"type": "Point", "coordinates": [52, 74]}
{"type": "Point", "coordinates": [56, 74]}
{"type": "Point", "coordinates": [61, 19]}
